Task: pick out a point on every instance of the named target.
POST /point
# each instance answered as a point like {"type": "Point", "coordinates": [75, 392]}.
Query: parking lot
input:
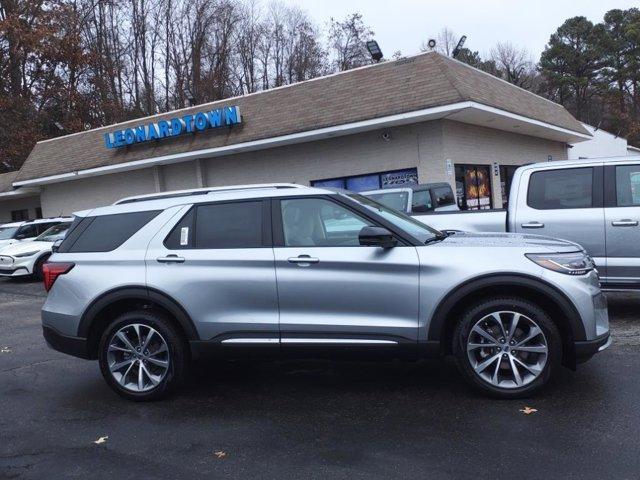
{"type": "Point", "coordinates": [311, 419]}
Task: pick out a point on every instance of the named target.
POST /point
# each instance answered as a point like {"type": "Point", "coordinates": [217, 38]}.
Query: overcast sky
{"type": "Point", "coordinates": [404, 24]}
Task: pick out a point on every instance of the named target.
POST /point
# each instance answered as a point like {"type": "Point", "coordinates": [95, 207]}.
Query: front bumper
{"type": "Point", "coordinates": [15, 267]}
{"type": "Point", "coordinates": [587, 349]}
{"type": "Point", "coordinates": [14, 272]}
{"type": "Point", "coordinates": [76, 346]}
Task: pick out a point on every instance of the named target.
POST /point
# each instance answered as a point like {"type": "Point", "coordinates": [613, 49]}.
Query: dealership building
{"type": "Point", "coordinates": [426, 118]}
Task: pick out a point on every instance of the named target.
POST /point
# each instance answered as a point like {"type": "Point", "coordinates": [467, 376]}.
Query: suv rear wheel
{"type": "Point", "coordinates": [141, 355]}
{"type": "Point", "coordinates": [507, 347]}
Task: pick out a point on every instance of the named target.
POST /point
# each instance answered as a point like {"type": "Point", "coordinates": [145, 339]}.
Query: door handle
{"type": "Point", "coordinates": [303, 260]}
{"type": "Point", "coordinates": [170, 259]}
{"type": "Point", "coordinates": [532, 225]}
{"type": "Point", "coordinates": [625, 223]}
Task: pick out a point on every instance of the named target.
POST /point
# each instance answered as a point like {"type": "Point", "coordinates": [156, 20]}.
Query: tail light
{"type": "Point", "coordinates": [51, 272]}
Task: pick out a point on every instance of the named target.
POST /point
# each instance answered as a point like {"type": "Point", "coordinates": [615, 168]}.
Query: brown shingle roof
{"type": "Point", "coordinates": [424, 81]}
{"type": "Point", "coordinates": [6, 181]}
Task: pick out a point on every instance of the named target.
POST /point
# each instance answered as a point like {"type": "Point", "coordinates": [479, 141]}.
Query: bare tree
{"type": "Point", "coordinates": [514, 64]}
{"type": "Point", "coordinates": [347, 42]}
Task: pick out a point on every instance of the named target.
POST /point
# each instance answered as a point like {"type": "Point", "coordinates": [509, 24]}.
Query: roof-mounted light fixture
{"type": "Point", "coordinates": [458, 48]}
{"type": "Point", "coordinates": [374, 50]}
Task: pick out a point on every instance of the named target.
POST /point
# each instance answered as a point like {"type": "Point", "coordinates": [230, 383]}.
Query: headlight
{"type": "Point", "coordinates": [26, 254]}
{"type": "Point", "coordinates": [577, 263]}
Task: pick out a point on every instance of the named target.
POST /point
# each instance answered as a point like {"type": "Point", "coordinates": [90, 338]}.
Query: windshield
{"type": "Point", "coordinates": [54, 233]}
{"type": "Point", "coordinates": [395, 200]}
{"type": "Point", "coordinates": [7, 233]}
{"type": "Point", "coordinates": [403, 221]}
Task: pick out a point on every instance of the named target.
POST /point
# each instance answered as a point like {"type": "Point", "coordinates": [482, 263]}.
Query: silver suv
{"type": "Point", "coordinates": [150, 283]}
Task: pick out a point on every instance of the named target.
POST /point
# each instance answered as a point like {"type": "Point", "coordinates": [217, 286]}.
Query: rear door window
{"type": "Point", "coordinates": [443, 196]}
{"type": "Point", "coordinates": [561, 189]}
{"type": "Point", "coordinates": [628, 185]}
{"type": "Point", "coordinates": [229, 225]}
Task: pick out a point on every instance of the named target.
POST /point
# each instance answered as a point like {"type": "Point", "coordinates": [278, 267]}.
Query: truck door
{"type": "Point", "coordinates": [567, 203]}
{"type": "Point", "coordinates": [622, 217]}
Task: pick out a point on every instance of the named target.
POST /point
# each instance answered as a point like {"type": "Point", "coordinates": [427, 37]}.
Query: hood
{"type": "Point", "coordinates": [535, 243]}
{"type": "Point", "coordinates": [10, 241]}
{"type": "Point", "coordinates": [24, 247]}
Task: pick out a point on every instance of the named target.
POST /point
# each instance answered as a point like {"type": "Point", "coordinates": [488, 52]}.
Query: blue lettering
{"type": "Point", "coordinates": [163, 128]}
{"type": "Point", "coordinates": [215, 118]}
{"type": "Point", "coordinates": [231, 115]}
{"type": "Point", "coordinates": [153, 134]}
{"type": "Point", "coordinates": [129, 136]}
{"type": "Point", "coordinates": [141, 134]}
{"type": "Point", "coordinates": [201, 121]}
{"type": "Point", "coordinates": [107, 141]}
{"type": "Point", "coordinates": [187, 123]}
{"type": "Point", "coordinates": [119, 138]}
{"type": "Point", "coordinates": [176, 126]}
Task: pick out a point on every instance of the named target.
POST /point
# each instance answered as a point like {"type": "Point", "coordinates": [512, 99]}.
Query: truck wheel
{"type": "Point", "coordinates": [507, 347]}
{"type": "Point", "coordinates": [142, 356]}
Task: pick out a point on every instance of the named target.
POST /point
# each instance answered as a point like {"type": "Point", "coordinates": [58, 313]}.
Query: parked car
{"type": "Point", "coordinates": [28, 230]}
{"type": "Point", "coordinates": [595, 203]}
{"type": "Point", "coordinates": [146, 285]}
{"type": "Point", "coordinates": [417, 199]}
{"type": "Point", "coordinates": [26, 258]}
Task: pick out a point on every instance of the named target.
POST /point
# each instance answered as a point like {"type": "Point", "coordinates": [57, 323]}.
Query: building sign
{"type": "Point", "coordinates": [399, 178]}
{"type": "Point", "coordinates": [174, 127]}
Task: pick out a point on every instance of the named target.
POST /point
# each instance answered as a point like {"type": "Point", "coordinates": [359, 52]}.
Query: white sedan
{"type": "Point", "coordinates": [26, 258]}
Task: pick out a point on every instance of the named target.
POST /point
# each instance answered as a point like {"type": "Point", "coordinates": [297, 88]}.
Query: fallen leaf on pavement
{"type": "Point", "coordinates": [101, 440]}
{"type": "Point", "coordinates": [528, 410]}
{"type": "Point", "coordinates": [5, 350]}
{"type": "Point", "coordinates": [220, 454]}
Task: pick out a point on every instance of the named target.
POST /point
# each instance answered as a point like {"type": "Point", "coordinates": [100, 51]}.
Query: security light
{"type": "Point", "coordinates": [374, 50]}
{"type": "Point", "coordinates": [59, 126]}
{"type": "Point", "coordinates": [456, 50]}
{"type": "Point", "coordinates": [431, 43]}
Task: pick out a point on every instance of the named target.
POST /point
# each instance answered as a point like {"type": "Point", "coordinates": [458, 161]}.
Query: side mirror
{"type": "Point", "coordinates": [22, 236]}
{"type": "Point", "coordinates": [377, 237]}
{"type": "Point", "coordinates": [56, 245]}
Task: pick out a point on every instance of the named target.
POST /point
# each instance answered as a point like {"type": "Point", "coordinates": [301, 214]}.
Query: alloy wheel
{"type": "Point", "coordinates": [507, 349]}
{"type": "Point", "coordinates": [138, 357]}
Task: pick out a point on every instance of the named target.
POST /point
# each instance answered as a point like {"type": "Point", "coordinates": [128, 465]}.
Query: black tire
{"type": "Point", "coordinates": [37, 268]}
{"type": "Point", "coordinates": [480, 310]}
{"type": "Point", "coordinates": [177, 354]}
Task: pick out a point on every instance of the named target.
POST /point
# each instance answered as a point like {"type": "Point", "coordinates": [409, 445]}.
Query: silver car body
{"type": "Point", "coordinates": [341, 296]}
{"type": "Point", "coordinates": [608, 232]}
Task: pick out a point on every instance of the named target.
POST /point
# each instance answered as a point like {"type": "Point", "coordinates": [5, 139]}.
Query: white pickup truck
{"type": "Point", "coordinates": [595, 203]}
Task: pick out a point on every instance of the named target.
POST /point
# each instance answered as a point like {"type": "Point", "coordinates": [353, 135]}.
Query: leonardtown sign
{"type": "Point", "coordinates": [173, 127]}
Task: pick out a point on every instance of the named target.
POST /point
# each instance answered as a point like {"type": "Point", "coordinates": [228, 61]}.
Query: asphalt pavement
{"type": "Point", "coordinates": [312, 419]}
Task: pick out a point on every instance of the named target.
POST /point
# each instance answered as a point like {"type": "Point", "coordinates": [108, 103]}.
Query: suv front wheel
{"type": "Point", "coordinates": [141, 355]}
{"type": "Point", "coordinates": [507, 347]}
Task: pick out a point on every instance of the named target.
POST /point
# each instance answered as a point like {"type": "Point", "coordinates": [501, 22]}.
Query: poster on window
{"type": "Point", "coordinates": [478, 189]}
{"type": "Point", "coordinates": [399, 178]}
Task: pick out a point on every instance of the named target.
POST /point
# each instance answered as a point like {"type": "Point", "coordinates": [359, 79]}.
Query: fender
{"type": "Point", "coordinates": [459, 292]}
{"type": "Point", "coordinates": [137, 293]}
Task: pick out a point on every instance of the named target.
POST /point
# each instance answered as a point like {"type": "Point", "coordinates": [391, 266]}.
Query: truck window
{"type": "Point", "coordinates": [443, 196]}
{"type": "Point", "coordinates": [395, 200]}
{"type": "Point", "coordinates": [561, 189]}
{"type": "Point", "coordinates": [421, 202]}
{"type": "Point", "coordinates": [628, 185]}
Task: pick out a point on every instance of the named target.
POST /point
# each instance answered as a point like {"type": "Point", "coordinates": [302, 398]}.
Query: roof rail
{"type": "Point", "coordinates": [204, 191]}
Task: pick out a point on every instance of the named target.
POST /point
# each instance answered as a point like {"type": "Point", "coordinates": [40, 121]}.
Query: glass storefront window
{"type": "Point", "coordinates": [373, 181]}
{"type": "Point", "coordinates": [473, 187]}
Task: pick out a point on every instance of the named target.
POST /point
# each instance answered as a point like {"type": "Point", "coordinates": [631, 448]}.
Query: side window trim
{"type": "Point", "coordinates": [267, 233]}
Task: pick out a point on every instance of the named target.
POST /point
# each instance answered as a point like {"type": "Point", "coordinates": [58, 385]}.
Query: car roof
{"type": "Point", "coordinates": [12, 224]}
{"type": "Point", "coordinates": [583, 162]}
{"type": "Point", "coordinates": [164, 200]}
{"type": "Point", "coordinates": [49, 220]}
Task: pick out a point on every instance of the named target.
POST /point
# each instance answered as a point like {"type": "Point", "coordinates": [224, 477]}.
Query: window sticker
{"type": "Point", "coordinates": [184, 236]}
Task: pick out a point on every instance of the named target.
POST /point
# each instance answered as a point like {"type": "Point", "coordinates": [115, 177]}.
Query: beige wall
{"type": "Point", "coordinates": [471, 144]}
{"type": "Point", "coordinates": [426, 146]}
{"type": "Point", "coordinates": [7, 206]}
{"type": "Point", "coordinates": [68, 197]}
